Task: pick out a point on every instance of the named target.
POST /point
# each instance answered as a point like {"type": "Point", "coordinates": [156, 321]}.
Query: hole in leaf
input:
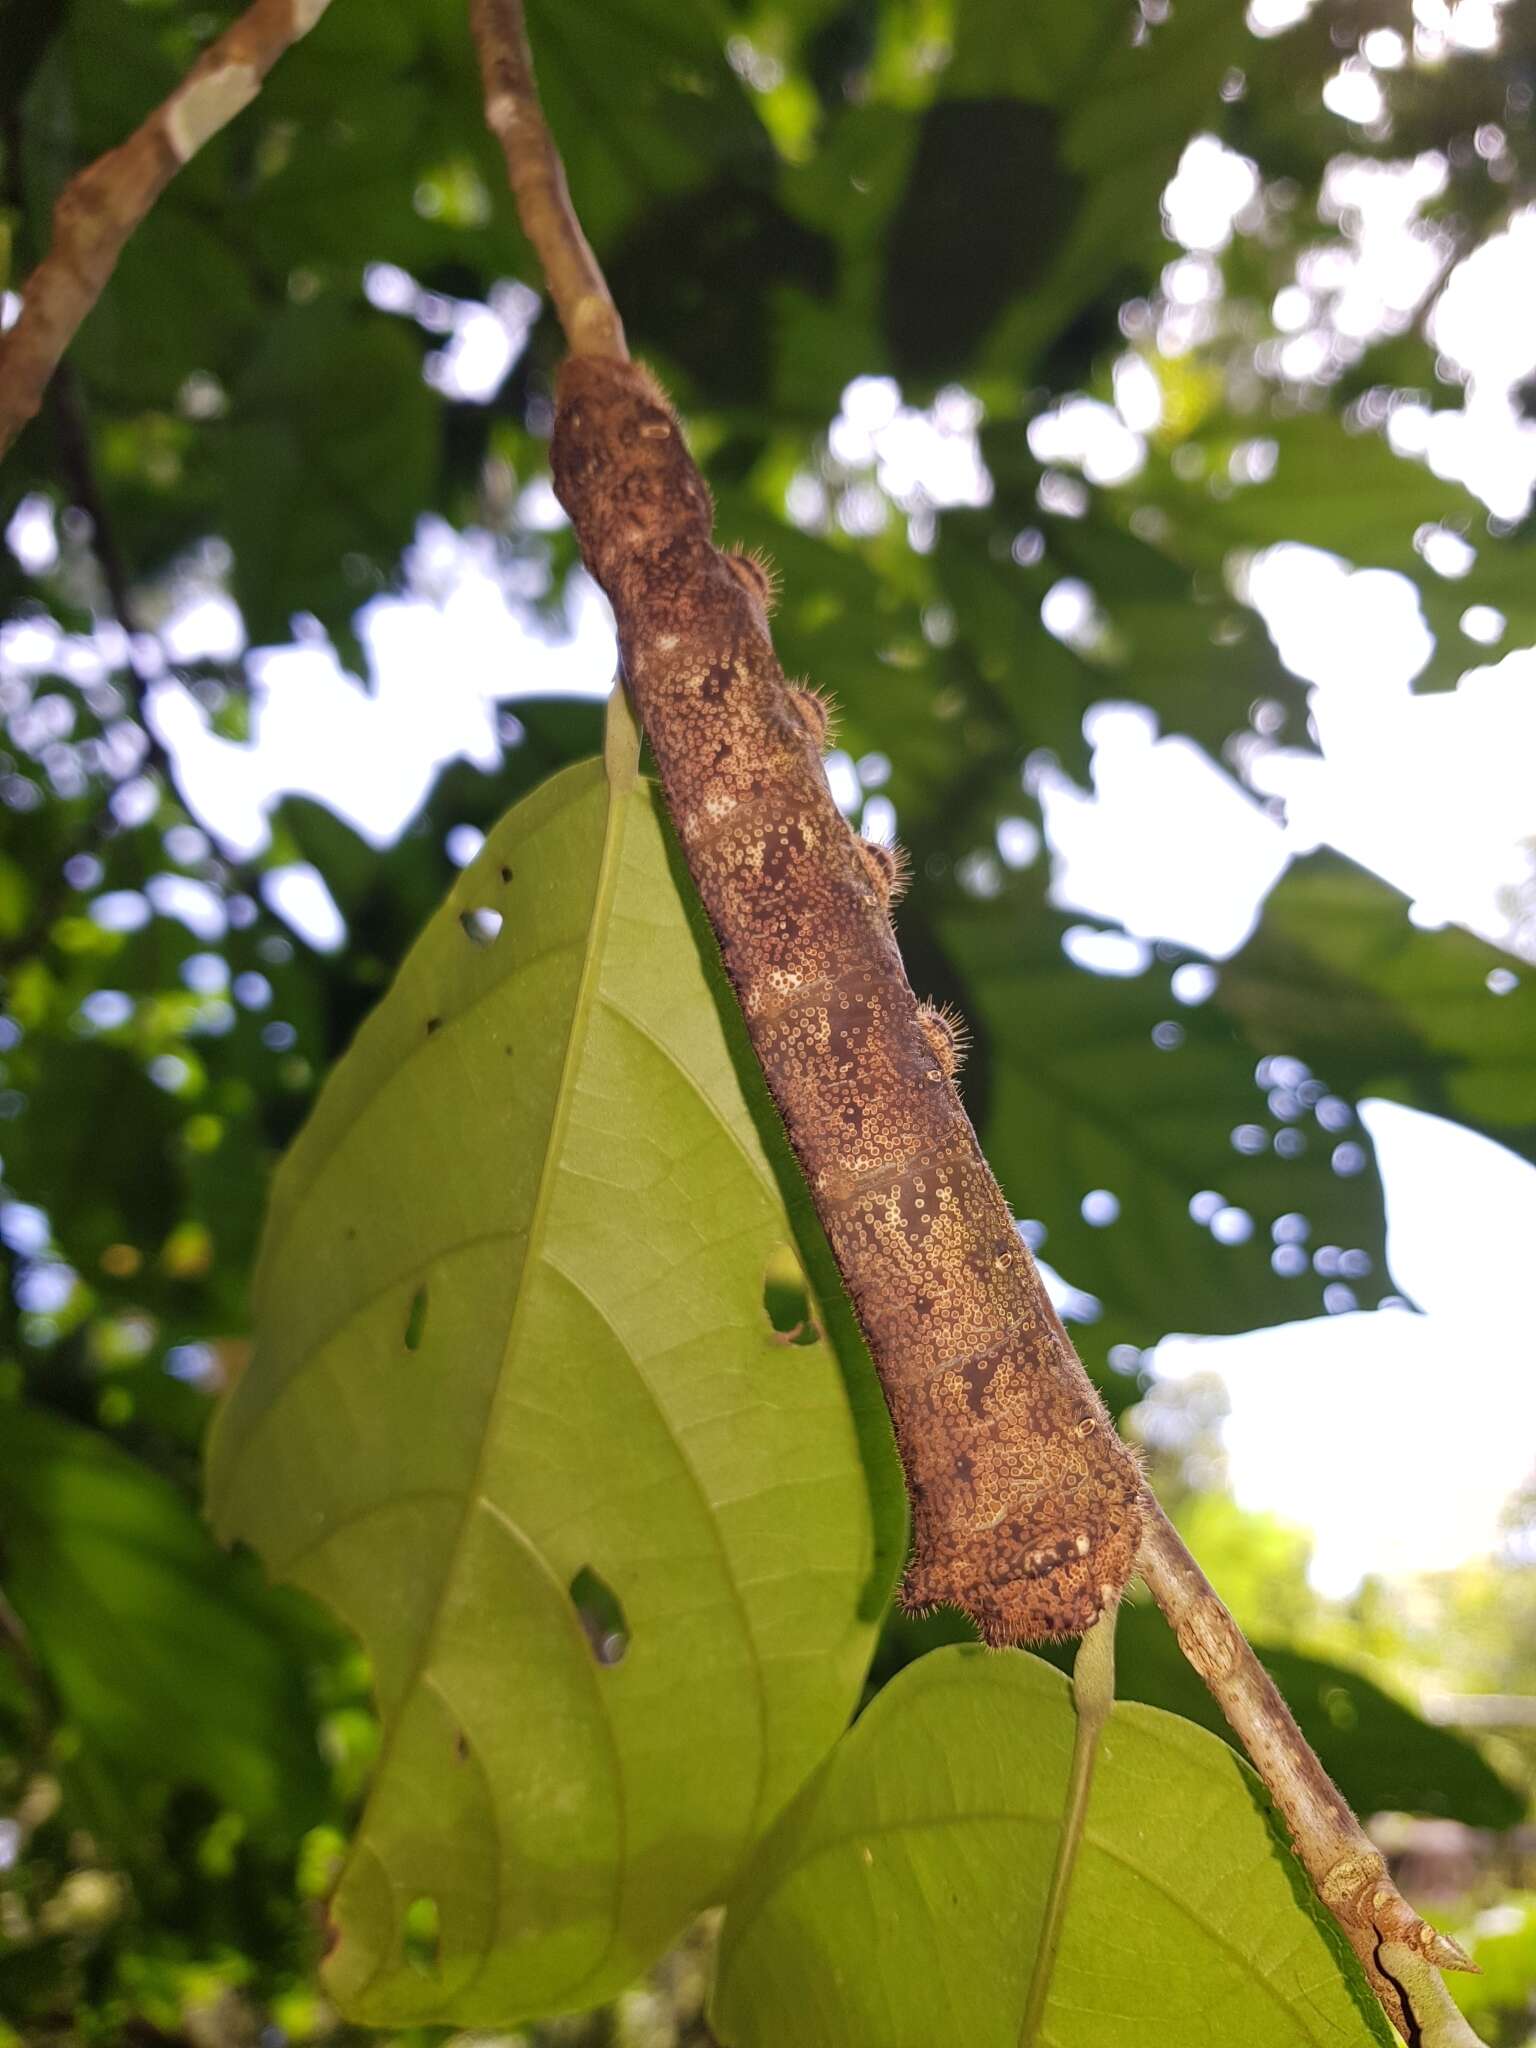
{"type": "Point", "coordinates": [416, 1320]}
{"type": "Point", "coordinates": [422, 1932]}
{"type": "Point", "coordinates": [787, 1301]}
{"type": "Point", "coordinates": [601, 1614]}
{"type": "Point", "coordinates": [481, 927]}
{"type": "Point", "coordinates": [434, 1024]}
{"type": "Point", "coordinates": [1339, 1705]}
{"type": "Point", "coordinates": [461, 1747]}
{"type": "Point", "coordinates": [506, 874]}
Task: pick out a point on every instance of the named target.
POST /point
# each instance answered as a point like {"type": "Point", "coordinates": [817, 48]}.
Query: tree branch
{"type": "Point", "coordinates": [1348, 1871]}
{"type": "Point", "coordinates": [537, 177]}
{"type": "Point", "coordinates": [102, 205]}
{"type": "Point", "coordinates": [1028, 1511]}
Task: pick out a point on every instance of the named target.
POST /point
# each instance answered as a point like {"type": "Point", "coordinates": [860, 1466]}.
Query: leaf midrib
{"type": "Point", "coordinates": [575, 1046]}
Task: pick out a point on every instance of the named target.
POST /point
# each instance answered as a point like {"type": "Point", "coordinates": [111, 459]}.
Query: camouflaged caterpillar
{"type": "Point", "coordinates": [1025, 1502]}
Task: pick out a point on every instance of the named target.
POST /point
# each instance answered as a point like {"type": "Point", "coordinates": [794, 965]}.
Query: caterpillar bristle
{"type": "Point", "coordinates": [815, 711]}
{"type": "Point", "coordinates": [947, 1034]}
{"type": "Point", "coordinates": [887, 867]}
{"type": "Point", "coordinates": [653, 388]}
{"type": "Point", "coordinates": [756, 572]}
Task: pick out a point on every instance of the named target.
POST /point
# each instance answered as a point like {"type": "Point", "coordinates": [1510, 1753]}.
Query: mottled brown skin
{"type": "Point", "coordinates": [1025, 1502]}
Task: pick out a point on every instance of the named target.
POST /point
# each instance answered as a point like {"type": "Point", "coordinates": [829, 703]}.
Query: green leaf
{"type": "Point", "coordinates": [1072, 1093]}
{"type": "Point", "coordinates": [520, 1416]}
{"type": "Point", "coordinates": [1338, 975]}
{"type": "Point", "coordinates": [1347, 491]}
{"type": "Point", "coordinates": [329, 460]}
{"type": "Point", "coordinates": [899, 1899]}
{"type": "Point", "coordinates": [1382, 1756]}
{"type": "Point", "coordinates": [166, 1658]}
{"type": "Point", "coordinates": [105, 1177]}
{"type": "Point", "coordinates": [961, 246]}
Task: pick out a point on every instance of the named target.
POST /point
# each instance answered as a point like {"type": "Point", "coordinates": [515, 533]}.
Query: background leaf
{"type": "Point", "coordinates": [1077, 1088]}
{"type": "Point", "coordinates": [166, 1658]}
{"type": "Point", "coordinates": [1439, 1020]}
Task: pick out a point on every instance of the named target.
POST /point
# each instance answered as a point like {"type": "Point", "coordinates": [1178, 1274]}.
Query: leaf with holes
{"type": "Point", "coordinates": [532, 1411]}
{"type": "Point", "coordinates": [900, 1898]}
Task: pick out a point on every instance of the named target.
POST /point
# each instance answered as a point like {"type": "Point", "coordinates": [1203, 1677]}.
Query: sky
{"type": "Point", "coordinates": [1430, 1418]}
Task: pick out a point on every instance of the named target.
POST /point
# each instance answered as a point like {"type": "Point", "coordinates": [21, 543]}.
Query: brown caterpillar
{"type": "Point", "coordinates": [1025, 1502]}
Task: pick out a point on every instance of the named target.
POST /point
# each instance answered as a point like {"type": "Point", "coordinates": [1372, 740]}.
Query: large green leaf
{"type": "Point", "coordinates": [518, 1407]}
{"type": "Point", "coordinates": [900, 1898]}
{"type": "Point", "coordinates": [166, 1658]}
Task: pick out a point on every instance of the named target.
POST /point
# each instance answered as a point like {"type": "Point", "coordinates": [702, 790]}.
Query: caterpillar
{"type": "Point", "coordinates": [1025, 1502]}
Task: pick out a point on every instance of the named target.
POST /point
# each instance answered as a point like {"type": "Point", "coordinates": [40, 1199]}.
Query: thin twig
{"type": "Point", "coordinates": [1015, 1473]}
{"type": "Point", "coordinates": [1347, 1870]}
{"type": "Point", "coordinates": [102, 205]}
{"type": "Point", "coordinates": [537, 177]}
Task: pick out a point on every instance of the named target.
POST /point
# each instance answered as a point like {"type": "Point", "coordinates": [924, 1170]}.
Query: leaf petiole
{"type": "Point", "coordinates": [1093, 1695]}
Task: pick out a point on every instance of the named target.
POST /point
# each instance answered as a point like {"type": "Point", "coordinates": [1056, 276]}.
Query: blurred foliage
{"type": "Point", "coordinates": [959, 194]}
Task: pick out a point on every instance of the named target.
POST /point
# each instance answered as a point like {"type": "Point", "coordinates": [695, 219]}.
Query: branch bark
{"type": "Point", "coordinates": [1348, 1871]}
{"type": "Point", "coordinates": [536, 174]}
{"type": "Point", "coordinates": [102, 205]}
{"type": "Point", "coordinates": [1029, 1513]}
